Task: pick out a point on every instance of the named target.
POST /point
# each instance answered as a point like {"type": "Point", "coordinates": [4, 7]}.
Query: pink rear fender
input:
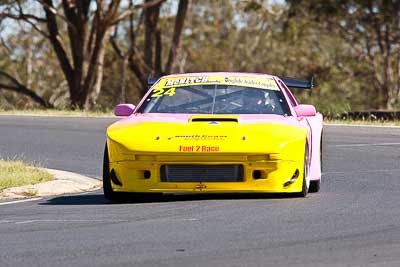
{"type": "Point", "coordinates": [316, 125]}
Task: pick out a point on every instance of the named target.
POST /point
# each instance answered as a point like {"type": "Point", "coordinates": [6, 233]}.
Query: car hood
{"type": "Point", "coordinates": [192, 133]}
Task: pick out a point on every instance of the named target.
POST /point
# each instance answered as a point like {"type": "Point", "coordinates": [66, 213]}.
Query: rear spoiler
{"type": "Point", "coordinates": [297, 83]}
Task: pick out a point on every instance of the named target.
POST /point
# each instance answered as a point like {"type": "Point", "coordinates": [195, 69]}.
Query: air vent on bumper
{"type": "Point", "coordinates": [202, 173]}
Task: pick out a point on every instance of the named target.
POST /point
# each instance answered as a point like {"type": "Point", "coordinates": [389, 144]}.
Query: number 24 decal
{"type": "Point", "coordinates": [157, 92]}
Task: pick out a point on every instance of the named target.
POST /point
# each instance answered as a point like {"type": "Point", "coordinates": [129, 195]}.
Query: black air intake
{"type": "Point", "coordinates": [202, 173]}
{"type": "Point", "coordinates": [214, 119]}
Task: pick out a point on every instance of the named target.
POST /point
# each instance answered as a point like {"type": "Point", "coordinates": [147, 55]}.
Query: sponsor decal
{"type": "Point", "coordinates": [258, 83]}
{"type": "Point", "coordinates": [201, 137]}
{"type": "Point", "coordinates": [198, 148]}
{"type": "Point", "coordinates": [255, 82]}
{"type": "Point", "coordinates": [187, 80]}
{"type": "Point", "coordinates": [158, 92]}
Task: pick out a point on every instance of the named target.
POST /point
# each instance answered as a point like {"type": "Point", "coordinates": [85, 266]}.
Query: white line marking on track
{"type": "Point", "coordinates": [20, 201]}
{"type": "Point", "coordinates": [364, 171]}
{"type": "Point", "coordinates": [361, 145]}
{"type": "Point", "coordinates": [64, 221]}
{"type": "Point", "coordinates": [360, 125]}
{"type": "Point", "coordinates": [36, 221]}
{"type": "Point", "coordinates": [186, 220]}
{"type": "Point", "coordinates": [30, 221]}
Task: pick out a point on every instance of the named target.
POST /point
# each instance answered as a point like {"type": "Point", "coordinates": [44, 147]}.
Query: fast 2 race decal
{"type": "Point", "coordinates": [198, 148]}
{"type": "Point", "coordinates": [167, 86]}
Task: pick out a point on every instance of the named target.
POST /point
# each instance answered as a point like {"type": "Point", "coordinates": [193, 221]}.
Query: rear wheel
{"type": "Point", "coordinates": [316, 185]}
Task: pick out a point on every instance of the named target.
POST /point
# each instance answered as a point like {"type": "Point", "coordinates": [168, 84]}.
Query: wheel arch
{"type": "Point", "coordinates": [316, 127]}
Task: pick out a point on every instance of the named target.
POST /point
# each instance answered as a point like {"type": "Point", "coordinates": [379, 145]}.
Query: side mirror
{"type": "Point", "coordinates": [305, 110]}
{"type": "Point", "coordinates": [124, 109]}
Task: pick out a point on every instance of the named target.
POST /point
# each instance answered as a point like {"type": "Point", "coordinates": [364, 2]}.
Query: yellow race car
{"type": "Point", "coordinates": [215, 133]}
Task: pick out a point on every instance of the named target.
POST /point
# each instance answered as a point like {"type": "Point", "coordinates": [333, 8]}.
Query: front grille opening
{"type": "Point", "coordinates": [202, 173]}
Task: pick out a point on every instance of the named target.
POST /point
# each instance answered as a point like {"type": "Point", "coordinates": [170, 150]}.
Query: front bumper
{"type": "Point", "coordinates": [143, 174]}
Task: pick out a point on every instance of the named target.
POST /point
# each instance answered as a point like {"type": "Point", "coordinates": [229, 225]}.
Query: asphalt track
{"type": "Point", "coordinates": [353, 221]}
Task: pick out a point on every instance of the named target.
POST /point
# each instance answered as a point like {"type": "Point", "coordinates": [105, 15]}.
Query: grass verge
{"type": "Point", "coordinates": [17, 173]}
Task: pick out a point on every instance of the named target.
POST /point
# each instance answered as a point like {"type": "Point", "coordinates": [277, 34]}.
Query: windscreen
{"type": "Point", "coordinates": [216, 95]}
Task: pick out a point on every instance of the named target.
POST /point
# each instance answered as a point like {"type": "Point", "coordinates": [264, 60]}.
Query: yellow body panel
{"type": "Point", "coordinates": [276, 150]}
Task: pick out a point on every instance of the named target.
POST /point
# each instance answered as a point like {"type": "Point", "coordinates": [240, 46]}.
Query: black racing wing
{"type": "Point", "coordinates": [298, 83]}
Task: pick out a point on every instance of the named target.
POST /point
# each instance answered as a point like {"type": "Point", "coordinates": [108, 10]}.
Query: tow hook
{"type": "Point", "coordinates": [200, 186]}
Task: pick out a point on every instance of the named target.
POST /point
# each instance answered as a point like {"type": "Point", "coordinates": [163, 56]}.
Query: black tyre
{"type": "Point", "coordinates": [304, 190]}
{"type": "Point", "coordinates": [314, 186]}
{"type": "Point", "coordinates": [121, 196]}
{"type": "Point", "coordinates": [107, 188]}
{"type": "Point", "coordinates": [306, 171]}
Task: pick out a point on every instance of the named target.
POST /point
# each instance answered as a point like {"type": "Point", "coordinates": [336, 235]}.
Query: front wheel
{"type": "Point", "coordinates": [306, 172]}
{"type": "Point", "coordinates": [107, 188]}
{"type": "Point", "coordinates": [121, 196]}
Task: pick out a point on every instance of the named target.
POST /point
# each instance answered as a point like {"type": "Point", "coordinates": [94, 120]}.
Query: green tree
{"type": "Point", "coordinates": [372, 30]}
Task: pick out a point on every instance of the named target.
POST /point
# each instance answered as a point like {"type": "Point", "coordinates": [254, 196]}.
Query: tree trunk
{"type": "Point", "coordinates": [386, 54]}
{"type": "Point", "coordinates": [152, 15]}
{"type": "Point", "coordinates": [95, 88]}
{"type": "Point", "coordinates": [384, 103]}
{"type": "Point", "coordinates": [148, 62]}
{"type": "Point", "coordinates": [83, 70]}
{"type": "Point", "coordinates": [179, 21]}
{"type": "Point", "coordinates": [124, 66]}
